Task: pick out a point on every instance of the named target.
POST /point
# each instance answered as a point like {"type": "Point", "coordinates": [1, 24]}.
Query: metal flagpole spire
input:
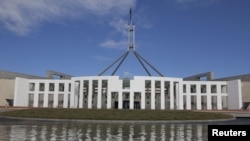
{"type": "Point", "coordinates": [131, 32]}
{"type": "Point", "coordinates": [131, 48]}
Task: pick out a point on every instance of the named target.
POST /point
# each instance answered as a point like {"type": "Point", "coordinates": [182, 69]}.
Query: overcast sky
{"type": "Point", "coordinates": [82, 37]}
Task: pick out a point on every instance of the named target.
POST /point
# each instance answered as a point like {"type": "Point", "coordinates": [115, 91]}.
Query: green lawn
{"type": "Point", "coordinates": [114, 114]}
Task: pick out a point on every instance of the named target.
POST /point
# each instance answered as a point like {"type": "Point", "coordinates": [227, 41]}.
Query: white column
{"type": "Point", "coordinates": [198, 97]}
{"type": "Point", "coordinates": [198, 101]}
{"type": "Point", "coordinates": [188, 100]}
{"type": "Point", "coordinates": [120, 95]}
{"type": "Point", "coordinates": [162, 96]}
{"type": "Point", "coordinates": [188, 97]}
{"type": "Point", "coordinates": [99, 95]}
{"type": "Point", "coordinates": [219, 103]}
{"type": "Point", "coordinates": [36, 92]}
{"type": "Point", "coordinates": [90, 93]}
{"type": "Point", "coordinates": [131, 99]}
{"type": "Point", "coordinates": [152, 94]}
{"type": "Point", "coordinates": [72, 95]}
{"type": "Point", "coordinates": [108, 98]}
{"type": "Point", "coordinates": [143, 99]}
{"type": "Point", "coordinates": [45, 98]}
{"type": "Point", "coordinates": [209, 103]}
{"type": "Point", "coordinates": [180, 96]}
{"type": "Point", "coordinates": [55, 104]}
{"type": "Point", "coordinates": [76, 93]}
{"type": "Point", "coordinates": [180, 93]}
{"type": "Point", "coordinates": [79, 91]}
{"type": "Point", "coordinates": [171, 95]}
{"type": "Point", "coordinates": [65, 95]}
{"type": "Point", "coordinates": [36, 96]}
{"type": "Point", "coordinates": [55, 98]}
{"type": "Point", "coordinates": [176, 84]}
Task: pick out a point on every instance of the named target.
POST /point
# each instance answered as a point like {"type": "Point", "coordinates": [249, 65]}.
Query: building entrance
{"type": "Point", "coordinates": [137, 105]}
{"type": "Point", "coordinates": [116, 105]}
{"type": "Point", "coordinates": [126, 104]}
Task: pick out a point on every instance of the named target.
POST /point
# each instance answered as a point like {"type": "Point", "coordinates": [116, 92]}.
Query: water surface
{"type": "Point", "coordinates": [82, 131]}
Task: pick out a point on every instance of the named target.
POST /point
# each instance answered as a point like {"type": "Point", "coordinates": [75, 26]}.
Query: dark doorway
{"type": "Point", "coordinates": [116, 104]}
{"type": "Point", "coordinates": [125, 104]}
{"type": "Point", "coordinates": [137, 105]}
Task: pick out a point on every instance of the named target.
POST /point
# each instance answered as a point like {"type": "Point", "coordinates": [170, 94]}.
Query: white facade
{"type": "Point", "coordinates": [141, 92]}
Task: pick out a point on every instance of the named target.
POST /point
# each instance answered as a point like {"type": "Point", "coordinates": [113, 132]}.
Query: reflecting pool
{"type": "Point", "coordinates": [69, 130]}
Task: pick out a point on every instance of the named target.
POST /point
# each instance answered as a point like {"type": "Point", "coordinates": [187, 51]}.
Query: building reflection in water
{"type": "Point", "coordinates": [99, 131]}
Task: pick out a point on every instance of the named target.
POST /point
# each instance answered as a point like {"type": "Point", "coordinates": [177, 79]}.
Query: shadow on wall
{"type": "Point", "coordinates": [10, 102]}
{"type": "Point", "coordinates": [246, 106]}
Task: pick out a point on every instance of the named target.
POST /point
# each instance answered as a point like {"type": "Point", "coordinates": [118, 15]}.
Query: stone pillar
{"type": "Point", "coordinates": [180, 96]}
{"type": "Point", "coordinates": [219, 103]}
{"type": "Point", "coordinates": [171, 95]}
{"type": "Point", "coordinates": [198, 97]}
{"type": "Point", "coordinates": [152, 94]}
{"type": "Point", "coordinates": [72, 95]}
{"type": "Point", "coordinates": [188, 97]}
{"type": "Point", "coordinates": [177, 102]}
{"type": "Point", "coordinates": [120, 95]}
{"type": "Point", "coordinates": [162, 96]}
{"type": "Point", "coordinates": [46, 95]}
{"type": "Point", "coordinates": [108, 99]}
{"type": "Point", "coordinates": [143, 99]}
{"type": "Point", "coordinates": [90, 93]}
{"type": "Point", "coordinates": [81, 95]}
{"type": "Point", "coordinates": [65, 95]}
{"type": "Point", "coordinates": [209, 102]}
{"type": "Point", "coordinates": [37, 85]}
{"type": "Point", "coordinates": [99, 95]}
{"type": "Point", "coordinates": [131, 100]}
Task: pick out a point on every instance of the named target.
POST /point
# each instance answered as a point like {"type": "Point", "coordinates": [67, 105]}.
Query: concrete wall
{"type": "Point", "coordinates": [20, 93]}
{"type": "Point", "coordinates": [7, 87]}
{"type": "Point", "coordinates": [234, 95]}
{"type": "Point", "coordinates": [245, 85]}
{"type": "Point", "coordinates": [245, 91]}
{"type": "Point", "coordinates": [13, 75]}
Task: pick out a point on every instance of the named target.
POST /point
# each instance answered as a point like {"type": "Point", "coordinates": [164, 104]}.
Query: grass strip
{"type": "Point", "coordinates": [114, 114]}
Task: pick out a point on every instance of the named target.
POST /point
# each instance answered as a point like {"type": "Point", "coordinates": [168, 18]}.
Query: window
{"type": "Point", "coordinates": [41, 87]}
{"type": "Point", "coordinates": [223, 88]}
{"type": "Point", "coordinates": [184, 88]}
{"type": "Point", "coordinates": [193, 88]}
{"type": "Point", "coordinates": [95, 86]}
{"type": "Point", "coordinates": [104, 87]}
{"type": "Point", "coordinates": [147, 84]}
{"type": "Point", "coordinates": [69, 87]}
{"type": "Point", "coordinates": [51, 87]}
{"type": "Point", "coordinates": [126, 84]}
{"type": "Point", "coordinates": [203, 88]}
{"type": "Point", "coordinates": [213, 89]}
{"type": "Point", "coordinates": [32, 86]}
{"type": "Point", "coordinates": [61, 87]}
{"type": "Point", "coordinates": [157, 84]}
